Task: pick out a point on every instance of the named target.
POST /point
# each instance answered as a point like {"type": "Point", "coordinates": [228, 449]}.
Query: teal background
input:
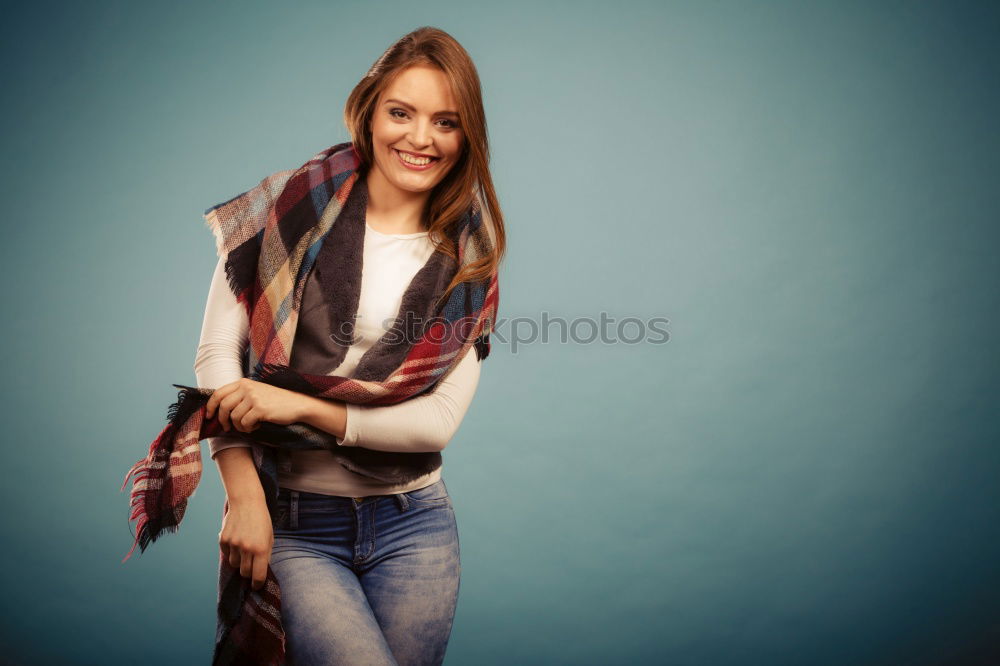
{"type": "Point", "coordinates": [806, 473]}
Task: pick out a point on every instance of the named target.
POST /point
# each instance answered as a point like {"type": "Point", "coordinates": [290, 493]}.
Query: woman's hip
{"type": "Point", "coordinates": [361, 531]}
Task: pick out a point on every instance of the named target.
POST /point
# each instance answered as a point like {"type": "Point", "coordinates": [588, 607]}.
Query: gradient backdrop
{"type": "Point", "coordinates": [806, 473]}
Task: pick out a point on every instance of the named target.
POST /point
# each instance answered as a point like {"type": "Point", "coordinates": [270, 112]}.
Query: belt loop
{"type": "Point", "coordinates": [402, 501]}
{"type": "Point", "coordinates": [293, 520]}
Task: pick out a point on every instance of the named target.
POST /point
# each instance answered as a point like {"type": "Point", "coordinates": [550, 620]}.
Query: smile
{"type": "Point", "coordinates": [415, 163]}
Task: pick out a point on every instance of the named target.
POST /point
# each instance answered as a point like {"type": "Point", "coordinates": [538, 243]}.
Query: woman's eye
{"type": "Point", "coordinates": [401, 114]}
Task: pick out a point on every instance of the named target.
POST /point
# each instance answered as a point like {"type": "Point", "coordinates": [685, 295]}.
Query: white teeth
{"type": "Point", "coordinates": [410, 159]}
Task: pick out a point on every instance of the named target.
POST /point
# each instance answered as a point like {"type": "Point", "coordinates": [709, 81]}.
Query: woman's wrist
{"type": "Point", "coordinates": [239, 476]}
{"type": "Point", "coordinates": [307, 409]}
{"type": "Point", "coordinates": [327, 415]}
{"type": "Point", "coordinates": [251, 498]}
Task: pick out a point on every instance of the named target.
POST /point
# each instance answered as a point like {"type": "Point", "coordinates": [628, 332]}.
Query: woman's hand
{"type": "Point", "coordinates": [244, 403]}
{"type": "Point", "coordinates": [246, 539]}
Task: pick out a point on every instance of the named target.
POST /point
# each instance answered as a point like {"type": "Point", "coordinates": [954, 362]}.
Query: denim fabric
{"type": "Point", "coordinates": [370, 582]}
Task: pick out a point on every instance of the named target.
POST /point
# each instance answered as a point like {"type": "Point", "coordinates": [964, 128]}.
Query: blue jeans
{"type": "Point", "coordinates": [369, 582]}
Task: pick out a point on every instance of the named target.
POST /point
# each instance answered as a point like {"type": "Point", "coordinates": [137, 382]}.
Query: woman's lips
{"type": "Point", "coordinates": [414, 167]}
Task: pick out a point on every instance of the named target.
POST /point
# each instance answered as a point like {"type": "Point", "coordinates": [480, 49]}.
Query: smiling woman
{"type": "Point", "coordinates": [411, 231]}
{"type": "Point", "coordinates": [416, 140]}
{"type": "Point", "coordinates": [423, 97]}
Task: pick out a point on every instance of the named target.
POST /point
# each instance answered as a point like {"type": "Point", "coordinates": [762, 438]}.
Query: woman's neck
{"type": "Point", "coordinates": [392, 210]}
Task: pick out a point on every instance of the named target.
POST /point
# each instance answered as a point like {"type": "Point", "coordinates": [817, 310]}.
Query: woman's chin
{"type": "Point", "coordinates": [413, 182]}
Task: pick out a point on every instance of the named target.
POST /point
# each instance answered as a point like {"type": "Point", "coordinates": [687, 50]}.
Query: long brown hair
{"type": "Point", "coordinates": [454, 194]}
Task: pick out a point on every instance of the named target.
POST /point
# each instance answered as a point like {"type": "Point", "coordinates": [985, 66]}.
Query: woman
{"type": "Point", "coordinates": [369, 571]}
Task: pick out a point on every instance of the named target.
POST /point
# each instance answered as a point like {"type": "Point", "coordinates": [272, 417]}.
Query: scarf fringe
{"type": "Point", "coordinates": [148, 529]}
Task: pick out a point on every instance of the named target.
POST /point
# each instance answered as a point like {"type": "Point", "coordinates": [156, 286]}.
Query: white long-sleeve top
{"type": "Point", "coordinates": [424, 423]}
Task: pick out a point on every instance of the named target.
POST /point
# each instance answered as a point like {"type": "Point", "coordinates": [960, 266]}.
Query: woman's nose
{"type": "Point", "coordinates": [420, 135]}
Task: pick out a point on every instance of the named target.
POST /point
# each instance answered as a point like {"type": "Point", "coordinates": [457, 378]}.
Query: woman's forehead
{"type": "Point", "coordinates": [422, 88]}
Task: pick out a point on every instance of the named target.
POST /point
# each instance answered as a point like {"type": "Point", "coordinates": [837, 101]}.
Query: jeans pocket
{"type": "Point", "coordinates": [432, 495]}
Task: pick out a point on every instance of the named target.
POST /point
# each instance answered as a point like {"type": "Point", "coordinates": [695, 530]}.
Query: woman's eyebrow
{"type": "Point", "coordinates": [413, 108]}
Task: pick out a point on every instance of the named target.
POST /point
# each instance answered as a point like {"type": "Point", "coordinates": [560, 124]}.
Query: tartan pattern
{"type": "Point", "coordinates": [270, 236]}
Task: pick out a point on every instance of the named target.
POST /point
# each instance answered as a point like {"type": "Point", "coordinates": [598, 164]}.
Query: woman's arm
{"type": "Point", "coordinates": [424, 423]}
{"type": "Point", "coordinates": [217, 362]}
{"type": "Point", "coordinates": [224, 336]}
{"type": "Point", "coordinates": [247, 535]}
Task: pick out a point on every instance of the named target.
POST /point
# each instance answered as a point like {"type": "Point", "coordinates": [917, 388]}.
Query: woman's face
{"type": "Point", "coordinates": [416, 137]}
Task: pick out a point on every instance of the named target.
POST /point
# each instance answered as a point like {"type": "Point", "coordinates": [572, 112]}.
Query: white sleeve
{"type": "Point", "coordinates": [425, 423]}
{"type": "Point", "coordinates": [224, 336]}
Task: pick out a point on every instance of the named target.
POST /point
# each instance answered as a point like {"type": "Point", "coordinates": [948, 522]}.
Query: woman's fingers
{"type": "Point", "coordinates": [250, 420]}
{"type": "Point", "coordinates": [238, 416]}
{"type": "Point", "coordinates": [233, 404]}
{"type": "Point", "coordinates": [246, 539]}
{"type": "Point", "coordinates": [217, 396]}
{"type": "Point", "coordinates": [253, 566]}
{"type": "Point", "coordinates": [249, 564]}
{"type": "Point", "coordinates": [259, 571]}
{"type": "Point", "coordinates": [226, 407]}
{"type": "Point", "coordinates": [246, 564]}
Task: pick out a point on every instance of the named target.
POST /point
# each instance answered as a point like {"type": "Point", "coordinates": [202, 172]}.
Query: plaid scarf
{"type": "Point", "coordinates": [271, 237]}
